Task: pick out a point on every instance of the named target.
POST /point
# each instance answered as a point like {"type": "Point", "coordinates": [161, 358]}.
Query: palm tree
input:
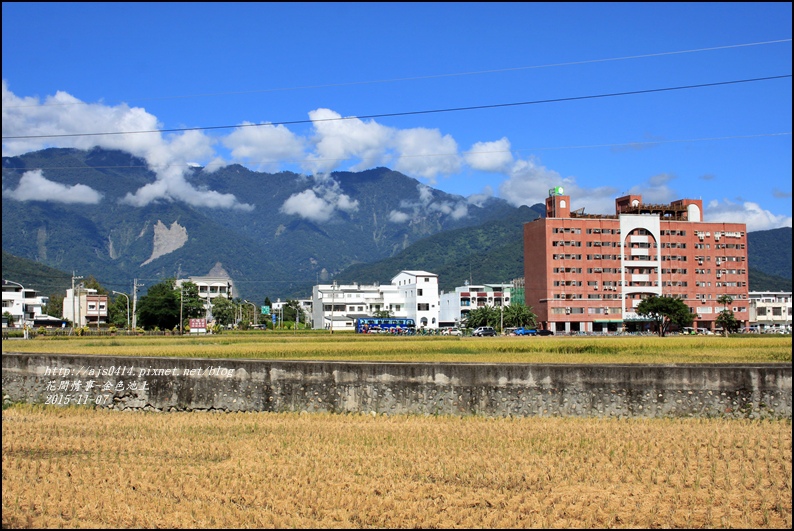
{"type": "Point", "coordinates": [726, 319]}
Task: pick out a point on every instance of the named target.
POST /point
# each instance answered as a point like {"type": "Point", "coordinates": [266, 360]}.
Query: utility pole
{"type": "Point", "coordinates": [135, 303]}
{"type": "Point", "coordinates": [333, 299]}
{"type": "Point", "coordinates": [74, 312]}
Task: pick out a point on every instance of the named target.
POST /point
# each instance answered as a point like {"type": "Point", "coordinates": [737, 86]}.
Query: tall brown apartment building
{"type": "Point", "coordinates": [588, 273]}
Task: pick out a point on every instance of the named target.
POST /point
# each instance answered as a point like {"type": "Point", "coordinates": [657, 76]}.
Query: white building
{"type": "Point", "coordinates": [210, 287]}
{"type": "Point", "coordinates": [411, 294]}
{"type": "Point", "coordinates": [419, 290]}
{"type": "Point", "coordinates": [456, 305]}
{"type": "Point", "coordinates": [24, 305]}
{"type": "Point", "coordinates": [770, 309]}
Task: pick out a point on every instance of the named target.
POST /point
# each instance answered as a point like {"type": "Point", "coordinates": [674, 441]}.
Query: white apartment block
{"type": "Point", "coordinates": [770, 309]}
{"type": "Point", "coordinates": [24, 305]}
{"type": "Point", "coordinates": [456, 305]}
{"type": "Point", "coordinates": [210, 288]}
{"type": "Point", "coordinates": [411, 294]}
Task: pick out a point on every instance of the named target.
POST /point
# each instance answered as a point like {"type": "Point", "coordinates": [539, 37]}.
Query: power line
{"type": "Point", "coordinates": [424, 155]}
{"type": "Point", "coordinates": [432, 76]}
{"type": "Point", "coordinates": [411, 113]}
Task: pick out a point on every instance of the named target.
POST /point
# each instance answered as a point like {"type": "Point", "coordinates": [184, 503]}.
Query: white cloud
{"type": "Point", "coordinates": [426, 204]}
{"type": "Point", "coordinates": [319, 202]}
{"type": "Point", "coordinates": [336, 141]}
{"type": "Point", "coordinates": [426, 153]}
{"type": "Point", "coordinates": [751, 214]}
{"type": "Point", "coordinates": [33, 186]}
{"type": "Point", "coordinates": [419, 152]}
{"type": "Point", "coordinates": [395, 216]}
{"type": "Point", "coordinates": [490, 156]}
{"type": "Point", "coordinates": [307, 204]}
{"type": "Point", "coordinates": [264, 147]}
{"type": "Point", "coordinates": [480, 199]}
{"type": "Point", "coordinates": [656, 190]}
{"type": "Point", "coordinates": [529, 183]}
{"type": "Point", "coordinates": [63, 114]}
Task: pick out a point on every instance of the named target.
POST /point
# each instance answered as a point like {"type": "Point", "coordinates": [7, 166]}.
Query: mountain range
{"type": "Point", "coordinates": [287, 232]}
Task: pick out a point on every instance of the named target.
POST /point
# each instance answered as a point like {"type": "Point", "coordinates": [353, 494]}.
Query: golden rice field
{"type": "Point", "coordinates": [352, 347]}
{"type": "Point", "coordinates": [77, 467]}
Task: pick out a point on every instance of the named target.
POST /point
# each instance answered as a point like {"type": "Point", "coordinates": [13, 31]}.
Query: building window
{"type": "Point", "coordinates": [423, 307]}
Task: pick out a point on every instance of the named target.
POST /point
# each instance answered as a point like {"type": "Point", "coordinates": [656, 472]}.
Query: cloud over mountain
{"type": "Point", "coordinates": [332, 142]}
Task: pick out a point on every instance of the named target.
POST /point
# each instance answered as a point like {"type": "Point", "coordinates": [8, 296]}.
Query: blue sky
{"type": "Point", "coordinates": [319, 79]}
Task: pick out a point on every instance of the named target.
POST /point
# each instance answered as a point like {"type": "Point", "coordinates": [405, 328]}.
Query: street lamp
{"type": "Point", "coordinates": [128, 308]}
{"type": "Point", "coordinates": [181, 304]}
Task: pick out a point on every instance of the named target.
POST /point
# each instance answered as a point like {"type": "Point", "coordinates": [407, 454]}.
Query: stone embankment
{"type": "Point", "coordinates": [523, 390]}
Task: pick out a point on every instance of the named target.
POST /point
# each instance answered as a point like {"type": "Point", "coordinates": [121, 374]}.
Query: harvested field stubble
{"type": "Point", "coordinates": [70, 467]}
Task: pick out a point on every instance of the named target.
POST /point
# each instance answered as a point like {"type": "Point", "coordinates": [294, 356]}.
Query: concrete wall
{"type": "Point", "coordinates": [189, 384]}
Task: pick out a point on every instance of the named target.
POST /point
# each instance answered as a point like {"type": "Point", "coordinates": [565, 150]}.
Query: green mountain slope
{"type": "Point", "coordinates": [769, 251]}
{"type": "Point", "coordinates": [491, 252]}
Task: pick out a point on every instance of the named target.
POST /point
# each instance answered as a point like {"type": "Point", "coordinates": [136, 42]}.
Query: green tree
{"type": "Point", "coordinates": [665, 311]}
{"type": "Point", "coordinates": [292, 312]}
{"type": "Point", "coordinates": [726, 319]}
{"type": "Point", "coordinates": [484, 316]}
{"type": "Point", "coordinates": [117, 311]}
{"type": "Point", "coordinates": [382, 314]}
{"type": "Point", "coordinates": [160, 306]}
{"type": "Point", "coordinates": [54, 306]}
{"type": "Point", "coordinates": [9, 319]}
{"type": "Point", "coordinates": [192, 304]}
{"type": "Point", "coordinates": [519, 314]}
{"type": "Point", "coordinates": [728, 322]}
{"type": "Point", "coordinates": [224, 311]}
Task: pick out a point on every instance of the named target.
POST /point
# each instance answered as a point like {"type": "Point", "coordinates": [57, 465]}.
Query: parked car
{"type": "Point", "coordinates": [526, 331]}
{"type": "Point", "coordinates": [451, 332]}
{"type": "Point", "coordinates": [545, 333]}
{"type": "Point", "coordinates": [484, 331]}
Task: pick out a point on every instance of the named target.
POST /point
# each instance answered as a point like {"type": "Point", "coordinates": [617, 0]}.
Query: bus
{"type": "Point", "coordinates": [375, 325]}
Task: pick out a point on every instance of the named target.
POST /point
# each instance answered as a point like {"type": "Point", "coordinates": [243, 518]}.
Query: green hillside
{"type": "Point", "coordinates": [33, 275]}
{"type": "Point", "coordinates": [769, 252]}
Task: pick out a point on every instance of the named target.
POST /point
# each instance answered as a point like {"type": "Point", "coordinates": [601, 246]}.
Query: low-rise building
{"type": "Point", "coordinates": [24, 305]}
{"type": "Point", "coordinates": [770, 310]}
{"type": "Point", "coordinates": [85, 307]}
{"type": "Point", "coordinates": [210, 287]}
{"type": "Point", "coordinates": [456, 305]}
{"type": "Point", "coordinates": [411, 294]}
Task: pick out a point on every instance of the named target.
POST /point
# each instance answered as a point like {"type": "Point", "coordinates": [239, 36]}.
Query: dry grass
{"type": "Point", "coordinates": [350, 347]}
{"type": "Point", "coordinates": [76, 467]}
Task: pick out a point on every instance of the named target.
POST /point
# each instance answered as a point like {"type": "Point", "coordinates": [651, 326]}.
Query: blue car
{"type": "Point", "coordinates": [525, 331]}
